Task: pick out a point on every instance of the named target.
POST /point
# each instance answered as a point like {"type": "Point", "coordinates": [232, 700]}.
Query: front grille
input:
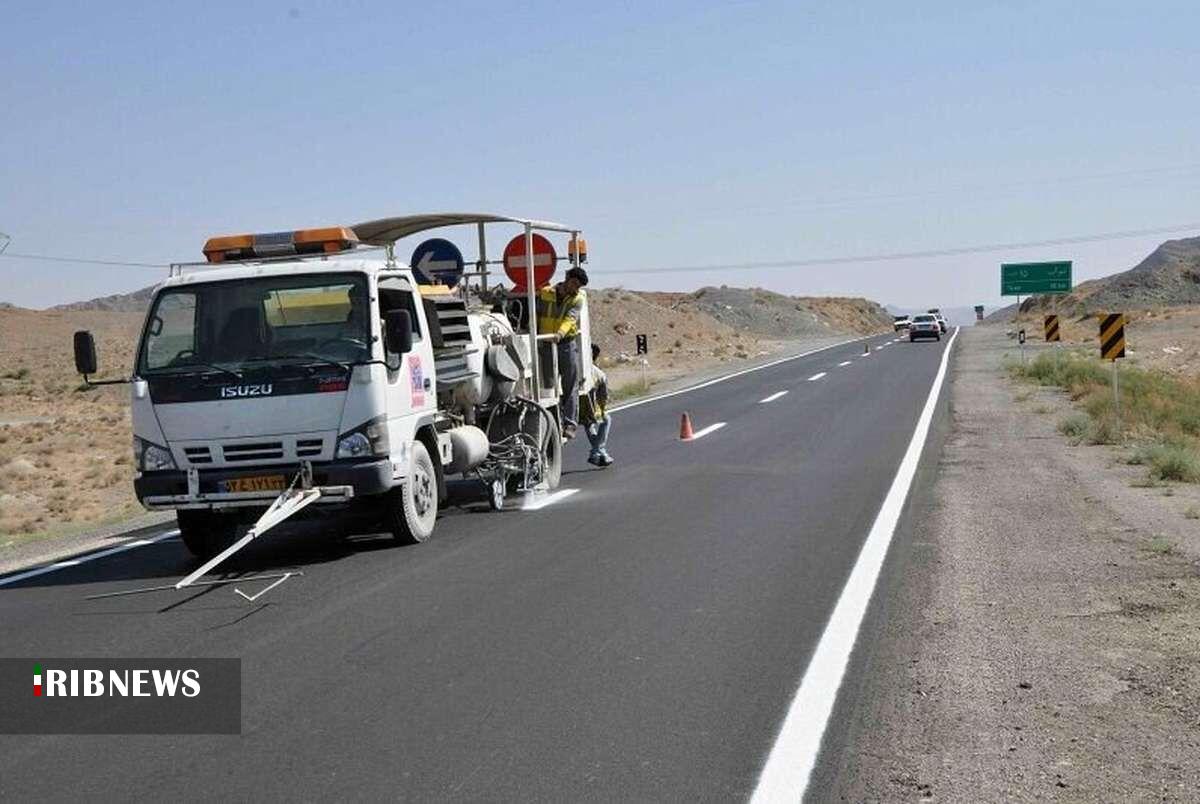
{"type": "Point", "coordinates": [261, 451]}
{"type": "Point", "coordinates": [197, 455]}
{"type": "Point", "coordinates": [309, 447]}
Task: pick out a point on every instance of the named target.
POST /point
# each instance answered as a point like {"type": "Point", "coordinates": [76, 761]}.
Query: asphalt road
{"type": "Point", "coordinates": [641, 638]}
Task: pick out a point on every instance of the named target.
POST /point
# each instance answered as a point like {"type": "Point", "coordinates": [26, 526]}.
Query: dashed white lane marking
{"type": "Point", "coordinates": [75, 562]}
{"type": "Point", "coordinates": [723, 378]}
{"type": "Point", "coordinates": [712, 428]}
{"type": "Point", "coordinates": [794, 754]}
{"type": "Point", "coordinates": [772, 397]}
{"type": "Point", "coordinates": [845, 363]}
{"type": "Point", "coordinates": [816, 376]}
{"type": "Point", "coordinates": [537, 501]}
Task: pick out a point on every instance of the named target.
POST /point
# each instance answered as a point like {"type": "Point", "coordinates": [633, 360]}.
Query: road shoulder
{"type": "Point", "coordinates": [1040, 639]}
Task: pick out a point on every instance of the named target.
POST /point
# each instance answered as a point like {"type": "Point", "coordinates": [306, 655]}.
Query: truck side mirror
{"type": "Point", "coordinates": [85, 352]}
{"type": "Point", "coordinates": [398, 332]}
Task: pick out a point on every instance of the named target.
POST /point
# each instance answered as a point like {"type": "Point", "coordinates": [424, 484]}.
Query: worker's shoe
{"type": "Point", "coordinates": [569, 430]}
{"type": "Point", "coordinates": [600, 459]}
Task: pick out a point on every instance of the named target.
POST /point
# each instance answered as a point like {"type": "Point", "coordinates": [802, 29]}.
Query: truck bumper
{"type": "Point", "coordinates": [342, 480]}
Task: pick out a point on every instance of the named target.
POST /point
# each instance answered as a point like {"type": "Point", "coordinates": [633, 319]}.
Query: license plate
{"type": "Point", "coordinates": [256, 483]}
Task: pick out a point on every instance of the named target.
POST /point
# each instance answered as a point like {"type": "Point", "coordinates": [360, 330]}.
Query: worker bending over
{"type": "Point", "coordinates": [558, 312]}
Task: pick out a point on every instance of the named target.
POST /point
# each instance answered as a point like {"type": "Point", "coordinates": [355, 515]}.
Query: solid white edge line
{"type": "Point", "coordinates": [712, 428]}
{"type": "Point", "coordinates": [74, 562]}
{"type": "Point", "coordinates": [845, 363]}
{"type": "Point", "coordinates": [724, 377]}
{"type": "Point", "coordinates": [772, 397]}
{"type": "Point", "coordinates": [539, 502]}
{"type": "Point", "coordinates": [816, 376]}
{"type": "Point", "coordinates": [793, 756]}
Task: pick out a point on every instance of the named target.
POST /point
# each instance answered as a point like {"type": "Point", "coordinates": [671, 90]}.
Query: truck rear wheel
{"type": "Point", "coordinates": [552, 453]}
{"type": "Point", "coordinates": [205, 533]}
{"type": "Point", "coordinates": [412, 509]}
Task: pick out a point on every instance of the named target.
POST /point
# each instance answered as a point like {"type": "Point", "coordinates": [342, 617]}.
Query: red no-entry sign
{"type": "Point", "coordinates": [516, 261]}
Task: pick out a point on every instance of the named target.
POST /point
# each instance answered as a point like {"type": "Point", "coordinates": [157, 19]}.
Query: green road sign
{"type": "Point", "coordinates": [1028, 278]}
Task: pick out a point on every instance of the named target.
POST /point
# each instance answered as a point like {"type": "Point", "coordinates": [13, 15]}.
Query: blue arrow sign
{"type": "Point", "coordinates": [437, 261]}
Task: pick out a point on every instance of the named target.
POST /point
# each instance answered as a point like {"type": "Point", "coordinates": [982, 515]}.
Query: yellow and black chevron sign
{"type": "Point", "coordinates": [1052, 329]}
{"type": "Point", "coordinates": [1112, 336]}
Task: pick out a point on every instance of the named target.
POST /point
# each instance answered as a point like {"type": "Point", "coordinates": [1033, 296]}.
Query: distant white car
{"type": "Point", "coordinates": [900, 322]}
{"type": "Point", "coordinates": [924, 326]}
{"type": "Point", "coordinates": [941, 321]}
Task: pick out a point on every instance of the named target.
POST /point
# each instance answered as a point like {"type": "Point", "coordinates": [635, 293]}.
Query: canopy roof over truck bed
{"type": "Point", "coordinates": [385, 231]}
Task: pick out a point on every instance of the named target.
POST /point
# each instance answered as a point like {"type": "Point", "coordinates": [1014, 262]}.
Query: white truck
{"type": "Point", "coordinates": [312, 366]}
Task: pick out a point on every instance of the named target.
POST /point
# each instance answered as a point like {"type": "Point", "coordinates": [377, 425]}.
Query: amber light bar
{"type": "Point", "coordinates": [328, 240]}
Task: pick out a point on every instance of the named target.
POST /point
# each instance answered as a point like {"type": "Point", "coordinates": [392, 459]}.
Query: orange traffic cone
{"type": "Point", "coordinates": [685, 427]}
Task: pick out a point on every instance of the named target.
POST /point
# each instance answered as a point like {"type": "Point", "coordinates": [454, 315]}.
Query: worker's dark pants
{"type": "Point", "coordinates": [568, 370]}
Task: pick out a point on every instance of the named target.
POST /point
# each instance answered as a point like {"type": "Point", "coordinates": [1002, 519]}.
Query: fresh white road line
{"type": "Point", "coordinates": [74, 562]}
{"type": "Point", "coordinates": [845, 363]}
{"type": "Point", "coordinates": [539, 502]}
{"type": "Point", "coordinates": [786, 773]}
{"type": "Point", "coordinates": [724, 377]}
{"type": "Point", "coordinates": [772, 397]}
{"type": "Point", "coordinates": [712, 428]}
{"type": "Point", "coordinates": [816, 376]}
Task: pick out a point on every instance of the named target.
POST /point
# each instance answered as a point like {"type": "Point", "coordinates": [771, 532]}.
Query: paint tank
{"type": "Point", "coordinates": [468, 448]}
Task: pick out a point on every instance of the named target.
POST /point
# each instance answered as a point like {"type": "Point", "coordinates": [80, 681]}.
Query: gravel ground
{"type": "Point", "coordinates": [1042, 640]}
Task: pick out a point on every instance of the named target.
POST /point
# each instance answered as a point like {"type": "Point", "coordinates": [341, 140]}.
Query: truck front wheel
{"type": "Point", "coordinates": [205, 533]}
{"type": "Point", "coordinates": [412, 508]}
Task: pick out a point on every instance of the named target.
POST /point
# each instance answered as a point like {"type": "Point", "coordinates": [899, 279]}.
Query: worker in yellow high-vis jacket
{"type": "Point", "coordinates": [559, 308]}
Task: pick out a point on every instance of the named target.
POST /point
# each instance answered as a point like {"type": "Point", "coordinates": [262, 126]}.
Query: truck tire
{"type": "Point", "coordinates": [205, 533]}
{"type": "Point", "coordinates": [412, 509]}
{"type": "Point", "coordinates": [552, 453]}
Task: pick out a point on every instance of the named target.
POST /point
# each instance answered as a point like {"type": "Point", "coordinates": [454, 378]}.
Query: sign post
{"type": "Point", "coordinates": [642, 347]}
{"type": "Point", "coordinates": [1029, 278]}
{"type": "Point", "coordinates": [1112, 347]}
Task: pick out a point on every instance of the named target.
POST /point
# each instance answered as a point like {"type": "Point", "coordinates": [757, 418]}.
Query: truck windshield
{"type": "Point", "coordinates": [227, 326]}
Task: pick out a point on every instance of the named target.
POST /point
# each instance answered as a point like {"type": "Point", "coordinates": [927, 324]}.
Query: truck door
{"type": "Point", "coordinates": [412, 385]}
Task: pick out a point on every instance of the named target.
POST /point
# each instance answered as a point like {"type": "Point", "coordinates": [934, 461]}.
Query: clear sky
{"type": "Point", "coordinates": [673, 133]}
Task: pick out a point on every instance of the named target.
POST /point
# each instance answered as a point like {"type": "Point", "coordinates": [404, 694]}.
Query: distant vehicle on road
{"type": "Point", "coordinates": [940, 321]}
{"type": "Point", "coordinates": [924, 326]}
{"type": "Point", "coordinates": [900, 322]}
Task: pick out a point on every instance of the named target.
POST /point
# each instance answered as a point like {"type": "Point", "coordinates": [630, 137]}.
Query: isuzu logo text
{"type": "Point", "coordinates": [230, 391]}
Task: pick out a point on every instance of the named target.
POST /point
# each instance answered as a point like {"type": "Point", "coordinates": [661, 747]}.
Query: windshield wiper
{"type": "Point", "coordinates": [303, 356]}
{"type": "Point", "coordinates": [181, 369]}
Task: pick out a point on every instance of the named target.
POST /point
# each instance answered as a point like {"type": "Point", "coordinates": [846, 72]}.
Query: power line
{"type": "Point", "coordinates": [909, 255]}
{"type": "Point", "coordinates": [749, 266]}
{"type": "Point", "coordinates": [116, 263]}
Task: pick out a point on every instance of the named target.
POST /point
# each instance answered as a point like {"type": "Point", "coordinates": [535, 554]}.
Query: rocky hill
{"type": "Point", "coordinates": [776, 316]}
{"type": "Point", "coordinates": [135, 302]}
{"type": "Point", "coordinates": [1169, 277]}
